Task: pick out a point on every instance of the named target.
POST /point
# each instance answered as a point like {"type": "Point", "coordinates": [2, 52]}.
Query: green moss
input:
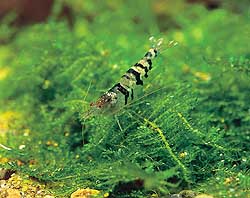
{"type": "Point", "coordinates": [188, 125]}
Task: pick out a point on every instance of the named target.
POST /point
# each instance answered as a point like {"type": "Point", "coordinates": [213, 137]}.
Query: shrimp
{"type": "Point", "coordinates": [118, 95]}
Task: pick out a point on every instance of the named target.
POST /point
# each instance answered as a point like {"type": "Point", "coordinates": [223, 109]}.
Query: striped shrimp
{"type": "Point", "coordinates": [118, 96]}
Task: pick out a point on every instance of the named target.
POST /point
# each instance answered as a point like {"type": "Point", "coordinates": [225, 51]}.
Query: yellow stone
{"type": "Point", "coordinates": [85, 193]}
{"type": "Point", "coordinates": [3, 160]}
{"type": "Point", "coordinates": [187, 194]}
{"type": "Point", "coordinates": [203, 76]}
{"type": "Point", "coordinates": [204, 196]}
{"type": "Point", "coordinates": [55, 144]}
{"type": "Point", "coordinates": [49, 196]}
{"type": "Point", "coordinates": [183, 154]}
{"type": "Point", "coordinates": [228, 180]}
{"type": "Point", "coordinates": [13, 193]}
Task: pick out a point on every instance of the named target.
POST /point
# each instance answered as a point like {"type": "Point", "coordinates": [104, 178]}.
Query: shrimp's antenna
{"type": "Point", "coordinates": [5, 147]}
{"type": "Point", "coordinates": [87, 91]}
{"type": "Point", "coordinates": [88, 113]}
{"type": "Point", "coordinates": [158, 44]}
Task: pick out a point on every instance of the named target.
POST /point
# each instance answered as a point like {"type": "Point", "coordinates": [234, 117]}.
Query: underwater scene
{"type": "Point", "coordinates": [125, 99]}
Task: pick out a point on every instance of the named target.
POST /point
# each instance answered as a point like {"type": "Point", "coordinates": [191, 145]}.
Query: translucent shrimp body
{"type": "Point", "coordinates": [118, 95]}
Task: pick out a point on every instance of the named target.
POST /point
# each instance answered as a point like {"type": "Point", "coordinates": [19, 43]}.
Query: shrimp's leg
{"type": "Point", "coordinates": [118, 123]}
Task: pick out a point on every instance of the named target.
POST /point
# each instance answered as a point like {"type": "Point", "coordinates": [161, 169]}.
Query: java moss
{"type": "Point", "coordinates": [188, 127]}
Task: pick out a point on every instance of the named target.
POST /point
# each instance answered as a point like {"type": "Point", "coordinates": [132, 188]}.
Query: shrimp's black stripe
{"type": "Point", "coordinates": [137, 76]}
{"type": "Point", "coordinates": [124, 91]}
{"type": "Point", "coordinates": [155, 51]}
{"type": "Point", "coordinates": [132, 94]}
{"type": "Point", "coordinates": [150, 64]}
{"type": "Point", "coordinates": [143, 67]}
